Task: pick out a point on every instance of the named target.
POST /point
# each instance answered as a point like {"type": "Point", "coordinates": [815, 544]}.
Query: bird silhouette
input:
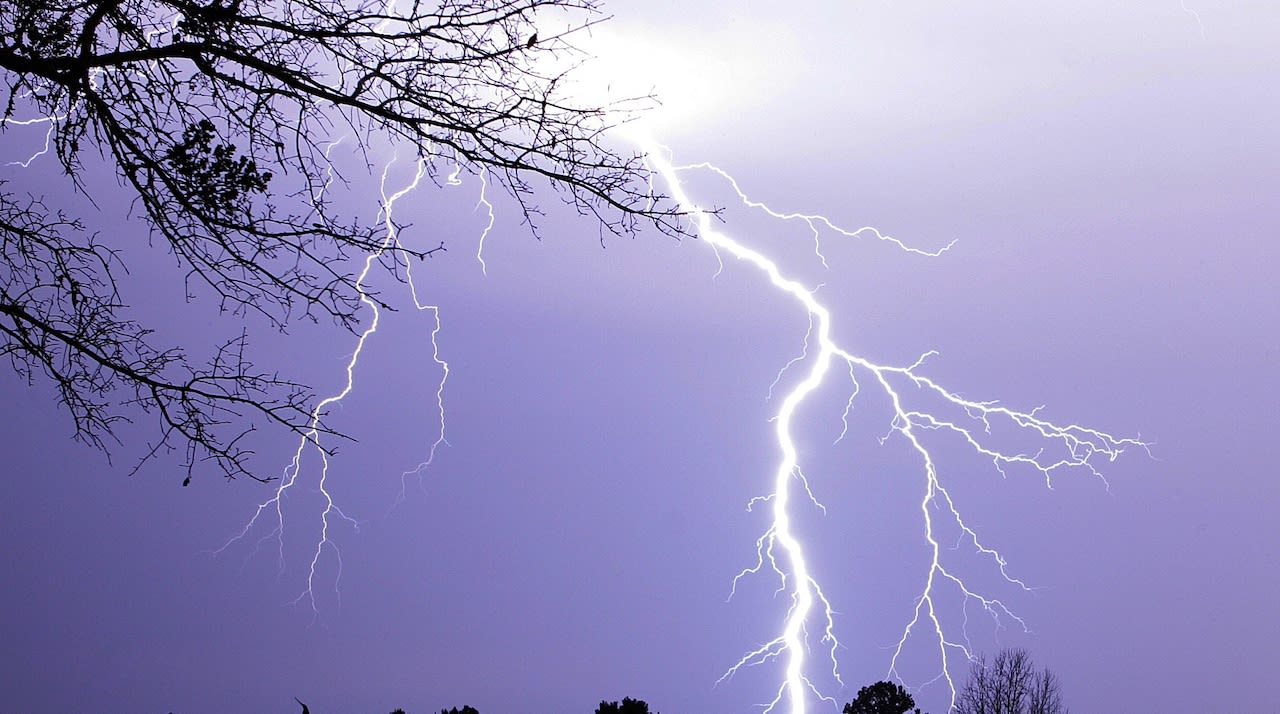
{"type": "Point", "coordinates": [305, 710]}
{"type": "Point", "coordinates": [186, 482]}
{"type": "Point", "coordinates": [533, 39]}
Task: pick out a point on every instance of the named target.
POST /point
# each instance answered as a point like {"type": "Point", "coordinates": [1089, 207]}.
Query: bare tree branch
{"type": "Point", "coordinates": [1010, 684]}
{"type": "Point", "coordinates": [216, 116]}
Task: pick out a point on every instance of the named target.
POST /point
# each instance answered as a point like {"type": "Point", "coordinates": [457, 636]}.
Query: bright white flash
{"type": "Point", "coordinates": [692, 73]}
{"type": "Point", "coordinates": [809, 614]}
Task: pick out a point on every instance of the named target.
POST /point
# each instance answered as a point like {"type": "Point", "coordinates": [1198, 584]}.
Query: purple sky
{"type": "Point", "coordinates": [1110, 174]}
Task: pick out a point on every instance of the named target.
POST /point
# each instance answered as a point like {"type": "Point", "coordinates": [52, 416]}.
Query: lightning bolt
{"type": "Point", "coordinates": [1196, 15]}
{"type": "Point", "coordinates": [780, 549]}
{"type": "Point", "coordinates": [919, 408]}
{"type": "Point", "coordinates": [51, 120]}
{"type": "Point", "coordinates": [272, 510]}
{"type": "Point", "coordinates": [421, 306]}
{"type": "Point", "coordinates": [483, 201]}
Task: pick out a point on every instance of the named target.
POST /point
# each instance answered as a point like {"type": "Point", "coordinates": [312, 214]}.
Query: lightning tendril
{"type": "Point", "coordinates": [313, 436]}
{"type": "Point", "coordinates": [780, 549]}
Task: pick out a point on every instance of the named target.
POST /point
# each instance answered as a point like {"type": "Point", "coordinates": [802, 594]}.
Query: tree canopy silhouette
{"type": "Point", "coordinates": [463, 710]}
{"type": "Point", "coordinates": [626, 706]}
{"type": "Point", "coordinates": [882, 698]}
{"type": "Point", "coordinates": [218, 117]}
{"type": "Point", "coordinates": [1010, 684]}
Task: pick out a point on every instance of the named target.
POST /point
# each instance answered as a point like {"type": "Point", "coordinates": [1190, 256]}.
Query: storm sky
{"type": "Point", "coordinates": [1110, 176]}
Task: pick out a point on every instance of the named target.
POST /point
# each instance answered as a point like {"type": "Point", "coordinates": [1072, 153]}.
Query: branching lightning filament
{"type": "Point", "coordinates": [809, 614]}
{"type": "Point", "coordinates": [273, 508]}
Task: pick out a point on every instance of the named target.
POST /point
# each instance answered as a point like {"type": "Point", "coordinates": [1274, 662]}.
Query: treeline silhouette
{"type": "Point", "coordinates": [626, 706]}
{"type": "Point", "coordinates": [1007, 684]}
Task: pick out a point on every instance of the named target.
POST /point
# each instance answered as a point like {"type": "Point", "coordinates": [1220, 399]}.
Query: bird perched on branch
{"type": "Point", "coordinates": [533, 40]}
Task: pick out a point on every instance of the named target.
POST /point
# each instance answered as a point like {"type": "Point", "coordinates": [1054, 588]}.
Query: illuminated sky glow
{"type": "Point", "coordinates": [1108, 178]}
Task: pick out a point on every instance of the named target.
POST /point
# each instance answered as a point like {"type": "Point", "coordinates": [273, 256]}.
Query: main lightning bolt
{"type": "Point", "coordinates": [780, 548]}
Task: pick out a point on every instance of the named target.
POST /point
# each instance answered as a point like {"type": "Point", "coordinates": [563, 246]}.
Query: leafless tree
{"type": "Point", "coordinates": [216, 116]}
{"type": "Point", "coordinates": [1010, 684]}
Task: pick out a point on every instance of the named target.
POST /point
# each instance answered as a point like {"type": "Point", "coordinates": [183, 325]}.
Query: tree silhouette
{"type": "Point", "coordinates": [217, 117]}
{"type": "Point", "coordinates": [626, 706]}
{"type": "Point", "coordinates": [1010, 684]}
{"type": "Point", "coordinates": [455, 710]}
{"type": "Point", "coordinates": [882, 698]}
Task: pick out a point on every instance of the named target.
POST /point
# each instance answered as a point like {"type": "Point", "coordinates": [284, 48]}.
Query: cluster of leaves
{"type": "Point", "coordinates": [882, 698]}
{"type": "Point", "coordinates": [203, 21]}
{"type": "Point", "coordinates": [212, 175]}
{"type": "Point", "coordinates": [626, 706]}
